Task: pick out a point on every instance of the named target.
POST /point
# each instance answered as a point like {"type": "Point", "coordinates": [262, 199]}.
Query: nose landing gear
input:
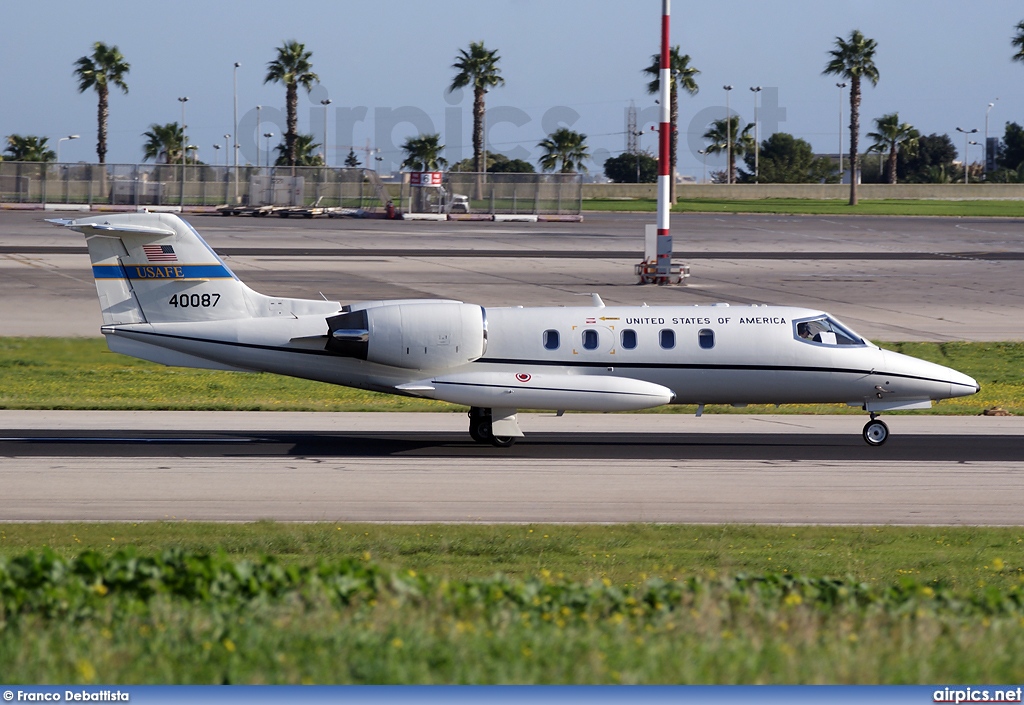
{"type": "Point", "coordinates": [875, 432]}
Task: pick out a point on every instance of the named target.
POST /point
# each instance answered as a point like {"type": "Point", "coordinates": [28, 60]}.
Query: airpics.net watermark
{"type": "Point", "coordinates": [518, 128]}
{"type": "Point", "coordinates": [978, 695]}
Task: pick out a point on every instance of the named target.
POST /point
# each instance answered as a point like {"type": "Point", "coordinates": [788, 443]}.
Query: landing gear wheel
{"type": "Point", "coordinates": [502, 441]}
{"type": "Point", "coordinates": [480, 430]}
{"type": "Point", "coordinates": [876, 432]}
{"type": "Point", "coordinates": [480, 425]}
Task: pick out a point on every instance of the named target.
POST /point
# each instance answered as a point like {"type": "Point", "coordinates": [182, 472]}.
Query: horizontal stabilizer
{"type": "Point", "coordinates": [115, 227]}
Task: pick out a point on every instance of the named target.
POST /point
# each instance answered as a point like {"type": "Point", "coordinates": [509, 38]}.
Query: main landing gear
{"type": "Point", "coordinates": [480, 429]}
{"type": "Point", "coordinates": [875, 432]}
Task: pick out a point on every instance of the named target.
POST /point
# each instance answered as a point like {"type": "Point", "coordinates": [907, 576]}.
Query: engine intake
{"type": "Point", "coordinates": [418, 336]}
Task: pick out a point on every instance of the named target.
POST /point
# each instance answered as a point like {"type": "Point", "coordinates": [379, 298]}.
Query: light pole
{"type": "Point", "coordinates": [841, 86]}
{"type": "Point", "coordinates": [972, 142]}
{"type": "Point", "coordinates": [757, 143]}
{"type": "Point", "coordinates": [268, 135]}
{"type": "Point", "coordinates": [987, 111]}
{"type": "Point", "coordinates": [728, 137]}
{"type": "Point", "coordinates": [234, 130]}
{"type": "Point", "coordinates": [325, 102]}
{"type": "Point", "coordinates": [704, 153]}
{"type": "Point", "coordinates": [184, 149]}
{"type": "Point", "coordinates": [258, 109]}
{"type": "Point", "coordinates": [227, 149]}
{"type": "Point", "coordinates": [216, 154]}
{"type": "Point", "coordinates": [966, 133]}
{"type": "Point", "coordinates": [69, 137]}
{"type": "Point", "coordinates": [637, 134]}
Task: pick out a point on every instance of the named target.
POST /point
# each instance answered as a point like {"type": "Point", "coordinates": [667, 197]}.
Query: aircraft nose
{"type": "Point", "coordinates": [936, 379]}
{"type": "Point", "coordinates": [960, 385]}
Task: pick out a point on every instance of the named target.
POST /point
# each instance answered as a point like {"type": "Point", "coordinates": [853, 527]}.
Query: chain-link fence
{"type": "Point", "coordinates": [191, 185]}
{"type": "Point", "coordinates": [515, 194]}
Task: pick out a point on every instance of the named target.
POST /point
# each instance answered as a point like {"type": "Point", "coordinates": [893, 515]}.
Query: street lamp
{"type": "Point", "coordinates": [728, 137]}
{"type": "Point", "coordinates": [69, 137]}
{"type": "Point", "coordinates": [987, 111]}
{"type": "Point", "coordinates": [268, 135]}
{"type": "Point", "coordinates": [325, 103]}
{"type": "Point", "coordinates": [704, 153]}
{"type": "Point", "coordinates": [966, 133]}
{"type": "Point", "coordinates": [184, 148]}
{"type": "Point", "coordinates": [227, 148]}
{"type": "Point", "coordinates": [258, 109]}
{"type": "Point", "coordinates": [757, 144]}
{"type": "Point", "coordinates": [216, 154]}
{"type": "Point", "coordinates": [841, 86]}
{"type": "Point", "coordinates": [637, 135]}
{"type": "Point", "coordinates": [234, 130]}
{"type": "Point", "coordinates": [184, 141]}
{"type": "Point", "coordinates": [971, 142]}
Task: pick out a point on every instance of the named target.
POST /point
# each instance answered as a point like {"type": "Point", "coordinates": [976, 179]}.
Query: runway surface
{"type": "Point", "coordinates": [112, 466]}
{"type": "Point", "coordinates": [897, 279]}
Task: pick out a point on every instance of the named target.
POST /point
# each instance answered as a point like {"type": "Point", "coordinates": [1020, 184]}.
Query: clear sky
{"type": "Point", "coordinates": [386, 64]}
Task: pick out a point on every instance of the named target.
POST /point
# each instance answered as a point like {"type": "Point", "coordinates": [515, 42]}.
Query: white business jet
{"type": "Point", "coordinates": [167, 297]}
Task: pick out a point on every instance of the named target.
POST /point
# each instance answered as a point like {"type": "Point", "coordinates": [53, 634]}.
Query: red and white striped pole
{"type": "Point", "coordinates": [664, 270]}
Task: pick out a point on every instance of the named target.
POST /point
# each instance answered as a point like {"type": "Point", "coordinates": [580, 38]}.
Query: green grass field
{"type": "Point", "coordinates": [355, 603]}
{"type": "Point", "coordinates": [575, 604]}
{"type": "Point", "coordinates": [804, 206]}
{"type": "Point", "coordinates": [80, 373]}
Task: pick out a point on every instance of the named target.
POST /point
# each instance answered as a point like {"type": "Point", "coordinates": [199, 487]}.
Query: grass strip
{"type": "Point", "coordinates": [188, 618]}
{"type": "Point", "coordinates": [806, 206]}
{"type": "Point", "coordinates": [80, 373]}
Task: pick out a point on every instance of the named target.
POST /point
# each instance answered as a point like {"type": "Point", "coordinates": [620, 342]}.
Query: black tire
{"type": "Point", "coordinates": [480, 431]}
{"type": "Point", "coordinates": [876, 432]}
{"type": "Point", "coordinates": [503, 441]}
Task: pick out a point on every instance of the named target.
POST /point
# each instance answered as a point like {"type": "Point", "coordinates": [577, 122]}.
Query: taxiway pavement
{"type": "Point", "coordinates": [215, 466]}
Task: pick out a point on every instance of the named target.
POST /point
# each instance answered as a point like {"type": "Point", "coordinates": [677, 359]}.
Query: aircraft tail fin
{"type": "Point", "coordinates": [155, 268]}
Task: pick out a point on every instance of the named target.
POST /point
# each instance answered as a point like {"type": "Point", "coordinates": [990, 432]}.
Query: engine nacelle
{"type": "Point", "coordinates": [418, 336]}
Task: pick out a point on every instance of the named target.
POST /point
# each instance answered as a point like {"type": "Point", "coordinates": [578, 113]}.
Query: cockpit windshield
{"type": "Point", "coordinates": [824, 330]}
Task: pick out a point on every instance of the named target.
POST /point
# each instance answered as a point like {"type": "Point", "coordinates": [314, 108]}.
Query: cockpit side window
{"type": "Point", "coordinates": [825, 330]}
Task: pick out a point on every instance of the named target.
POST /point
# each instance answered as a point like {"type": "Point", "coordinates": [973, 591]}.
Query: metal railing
{"type": "Point", "coordinates": [199, 185]}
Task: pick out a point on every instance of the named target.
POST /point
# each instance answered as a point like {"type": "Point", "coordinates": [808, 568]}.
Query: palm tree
{"type": "Point", "coordinates": [423, 153]}
{"type": "Point", "coordinates": [477, 67]}
{"type": "Point", "coordinates": [305, 152]}
{"type": "Point", "coordinates": [28, 148]}
{"type": "Point", "coordinates": [104, 68]}
{"type": "Point", "coordinates": [854, 59]}
{"type": "Point", "coordinates": [890, 134]}
{"type": "Point", "coordinates": [723, 137]}
{"type": "Point", "coordinates": [1018, 41]}
{"type": "Point", "coordinates": [163, 143]}
{"type": "Point", "coordinates": [293, 69]}
{"type": "Point", "coordinates": [566, 146]}
{"type": "Point", "coordinates": [683, 76]}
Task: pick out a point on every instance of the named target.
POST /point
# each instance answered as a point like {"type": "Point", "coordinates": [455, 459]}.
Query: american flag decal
{"type": "Point", "coordinates": [159, 253]}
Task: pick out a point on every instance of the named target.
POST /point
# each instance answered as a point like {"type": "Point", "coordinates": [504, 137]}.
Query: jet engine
{"type": "Point", "coordinates": [416, 335]}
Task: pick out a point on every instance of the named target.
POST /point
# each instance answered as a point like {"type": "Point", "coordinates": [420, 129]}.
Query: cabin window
{"type": "Point", "coordinates": [590, 339]}
{"type": "Point", "coordinates": [628, 339]}
{"type": "Point", "coordinates": [667, 338]}
{"type": "Point", "coordinates": [706, 338]}
{"type": "Point", "coordinates": [825, 330]}
{"type": "Point", "coordinates": [551, 340]}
